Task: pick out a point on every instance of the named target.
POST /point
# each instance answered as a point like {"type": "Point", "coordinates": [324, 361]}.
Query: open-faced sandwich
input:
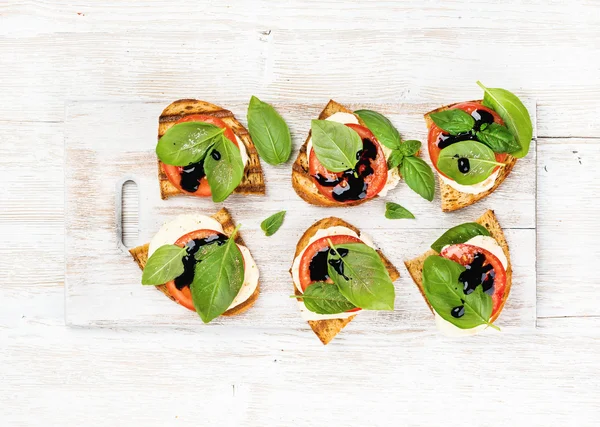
{"type": "Point", "coordinates": [337, 272]}
{"type": "Point", "coordinates": [351, 157]}
{"type": "Point", "coordinates": [474, 145]}
{"type": "Point", "coordinates": [204, 151]}
{"type": "Point", "coordinates": [201, 263]}
{"type": "Point", "coordinates": [466, 276]}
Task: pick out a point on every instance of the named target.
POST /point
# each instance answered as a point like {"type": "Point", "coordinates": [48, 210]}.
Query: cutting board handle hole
{"type": "Point", "coordinates": [128, 203]}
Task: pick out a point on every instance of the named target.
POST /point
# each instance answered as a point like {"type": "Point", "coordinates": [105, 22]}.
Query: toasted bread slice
{"type": "Point", "coordinates": [327, 329]}
{"type": "Point", "coordinates": [140, 255]}
{"type": "Point", "coordinates": [302, 182]}
{"type": "Point", "coordinates": [489, 221]}
{"type": "Point", "coordinates": [453, 199]}
{"type": "Point", "coordinates": [253, 181]}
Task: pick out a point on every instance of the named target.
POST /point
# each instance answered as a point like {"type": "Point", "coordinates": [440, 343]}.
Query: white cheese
{"type": "Point", "coordinates": [491, 245]}
{"type": "Point", "coordinates": [331, 231]}
{"type": "Point", "coordinates": [171, 231]}
{"type": "Point", "coordinates": [480, 187]}
{"type": "Point", "coordinates": [243, 151]}
{"type": "Point", "coordinates": [393, 174]}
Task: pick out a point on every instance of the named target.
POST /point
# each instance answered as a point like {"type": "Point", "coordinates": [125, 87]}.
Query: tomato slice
{"type": "Point", "coordinates": [436, 134]}
{"type": "Point", "coordinates": [184, 296]}
{"type": "Point", "coordinates": [373, 171]}
{"type": "Point", "coordinates": [174, 172]}
{"type": "Point", "coordinates": [490, 270]}
{"type": "Point", "coordinates": [319, 248]}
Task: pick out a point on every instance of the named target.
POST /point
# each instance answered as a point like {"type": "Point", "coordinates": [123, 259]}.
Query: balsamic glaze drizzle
{"type": "Point", "coordinates": [318, 264]}
{"type": "Point", "coordinates": [481, 117]}
{"type": "Point", "coordinates": [191, 176]}
{"type": "Point", "coordinates": [476, 274]}
{"type": "Point", "coordinates": [189, 261]}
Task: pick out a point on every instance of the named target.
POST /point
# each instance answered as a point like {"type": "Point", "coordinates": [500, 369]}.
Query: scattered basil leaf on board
{"type": "Point", "coordinates": [325, 298]}
{"type": "Point", "coordinates": [218, 278]}
{"type": "Point", "coordinates": [513, 112]}
{"type": "Point", "coordinates": [272, 223]}
{"type": "Point", "coordinates": [186, 143]}
{"type": "Point", "coordinates": [395, 159]}
{"type": "Point", "coordinates": [445, 293]}
{"type": "Point", "coordinates": [270, 133]}
{"type": "Point", "coordinates": [395, 211]}
{"type": "Point", "coordinates": [418, 176]}
{"type": "Point", "coordinates": [335, 145]}
{"type": "Point", "coordinates": [382, 128]}
{"type": "Point", "coordinates": [459, 234]}
{"type": "Point", "coordinates": [467, 162]}
{"type": "Point", "coordinates": [165, 264]}
{"type": "Point", "coordinates": [498, 138]}
{"type": "Point", "coordinates": [360, 275]}
{"type": "Point", "coordinates": [410, 147]}
{"type": "Point", "coordinates": [224, 169]}
{"type": "Point", "coordinates": [453, 121]}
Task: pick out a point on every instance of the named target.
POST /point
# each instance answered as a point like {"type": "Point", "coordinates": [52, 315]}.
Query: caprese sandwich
{"type": "Point", "coordinates": [201, 263]}
{"type": "Point", "coordinates": [466, 276]}
{"type": "Point", "coordinates": [474, 145]}
{"type": "Point", "coordinates": [337, 272]}
{"type": "Point", "coordinates": [351, 157]}
{"type": "Point", "coordinates": [204, 151]}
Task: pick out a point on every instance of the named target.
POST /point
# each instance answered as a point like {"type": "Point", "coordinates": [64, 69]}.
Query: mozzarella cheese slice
{"type": "Point", "coordinates": [480, 187]}
{"type": "Point", "coordinates": [243, 151]}
{"type": "Point", "coordinates": [183, 224]}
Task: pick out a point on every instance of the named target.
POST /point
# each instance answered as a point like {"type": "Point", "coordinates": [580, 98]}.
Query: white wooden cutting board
{"type": "Point", "coordinates": [107, 143]}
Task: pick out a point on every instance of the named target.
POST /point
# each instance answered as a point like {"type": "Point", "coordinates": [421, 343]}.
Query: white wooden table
{"type": "Point", "coordinates": [386, 51]}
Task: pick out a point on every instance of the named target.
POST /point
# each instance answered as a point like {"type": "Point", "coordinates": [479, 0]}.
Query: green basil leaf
{"type": "Point", "coordinates": [418, 176]}
{"type": "Point", "coordinates": [325, 298]}
{"type": "Point", "coordinates": [224, 169]}
{"type": "Point", "coordinates": [269, 132]}
{"type": "Point", "coordinates": [186, 143]}
{"type": "Point", "coordinates": [335, 145]}
{"type": "Point", "coordinates": [459, 234]}
{"type": "Point", "coordinates": [395, 211]}
{"type": "Point", "coordinates": [479, 159]}
{"type": "Point", "coordinates": [395, 159]}
{"type": "Point", "coordinates": [410, 147]}
{"type": "Point", "coordinates": [382, 128]}
{"type": "Point", "coordinates": [515, 116]}
{"type": "Point", "coordinates": [445, 293]}
{"type": "Point", "coordinates": [165, 264]}
{"type": "Point", "coordinates": [218, 278]}
{"type": "Point", "coordinates": [272, 223]}
{"type": "Point", "coordinates": [498, 138]}
{"type": "Point", "coordinates": [360, 275]}
{"type": "Point", "coordinates": [453, 121]}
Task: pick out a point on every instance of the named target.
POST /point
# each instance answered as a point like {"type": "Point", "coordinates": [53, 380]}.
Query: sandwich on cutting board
{"type": "Point", "coordinates": [338, 272]}
{"type": "Point", "coordinates": [474, 145]}
{"type": "Point", "coordinates": [351, 157]}
{"type": "Point", "coordinates": [466, 276]}
{"type": "Point", "coordinates": [201, 263]}
{"type": "Point", "coordinates": [203, 150]}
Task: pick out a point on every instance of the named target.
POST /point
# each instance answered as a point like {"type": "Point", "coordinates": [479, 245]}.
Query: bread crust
{"type": "Point", "coordinates": [451, 198]}
{"type": "Point", "coordinates": [140, 256]}
{"type": "Point", "coordinates": [490, 222]}
{"type": "Point", "coordinates": [326, 330]}
{"type": "Point", "coordinates": [253, 181]}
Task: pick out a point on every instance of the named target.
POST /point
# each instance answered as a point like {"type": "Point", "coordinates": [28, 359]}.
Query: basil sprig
{"type": "Point", "coordinates": [325, 298]}
{"type": "Point", "coordinates": [467, 162]}
{"type": "Point", "coordinates": [498, 138]}
{"type": "Point", "coordinates": [271, 224]}
{"type": "Point", "coordinates": [165, 264]}
{"type": "Point", "coordinates": [224, 169]}
{"type": "Point", "coordinates": [418, 176]}
{"type": "Point", "coordinates": [335, 145]}
{"type": "Point", "coordinates": [395, 211]}
{"type": "Point", "coordinates": [269, 132]}
{"type": "Point", "coordinates": [514, 114]}
{"type": "Point", "coordinates": [218, 278]}
{"type": "Point", "coordinates": [446, 295]}
{"type": "Point", "coordinates": [360, 275]}
{"type": "Point", "coordinates": [186, 143]}
{"type": "Point", "coordinates": [459, 234]}
{"type": "Point", "coordinates": [382, 128]}
{"type": "Point", "coordinates": [453, 121]}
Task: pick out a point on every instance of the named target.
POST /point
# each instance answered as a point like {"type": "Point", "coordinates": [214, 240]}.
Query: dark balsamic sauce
{"type": "Point", "coordinates": [191, 176]}
{"type": "Point", "coordinates": [458, 312]}
{"type": "Point", "coordinates": [318, 264]}
{"type": "Point", "coordinates": [351, 184]}
{"type": "Point", "coordinates": [215, 155]}
{"type": "Point", "coordinates": [476, 274]}
{"type": "Point", "coordinates": [189, 261]}
{"type": "Point", "coordinates": [481, 117]}
{"type": "Point", "coordinates": [463, 165]}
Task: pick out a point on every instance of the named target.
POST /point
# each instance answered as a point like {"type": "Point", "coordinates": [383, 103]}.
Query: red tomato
{"type": "Point", "coordinates": [465, 254]}
{"type": "Point", "coordinates": [184, 296]}
{"type": "Point", "coordinates": [375, 181]}
{"type": "Point", "coordinates": [312, 250]}
{"type": "Point", "coordinates": [174, 172]}
{"type": "Point", "coordinates": [435, 132]}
